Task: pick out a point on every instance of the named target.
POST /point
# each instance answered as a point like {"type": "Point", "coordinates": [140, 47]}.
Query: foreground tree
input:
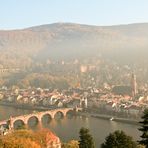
{"type": "Point", "coordinates": [29, 139]}
{"type": "Point", "coordinates": [118, 139]}
{"type": "Point", "coordinates": [144, 129]}
{"type": "Point", "coordinates": [71, 144]}
{"type": "Point", "coordinates": [86, 139]}
{"type": "Point", "coordinates": [140, 146]}
{"type": "Point", "coordinates": [15, 142]}
{"type": "Point", "coordinates": [1, 143]}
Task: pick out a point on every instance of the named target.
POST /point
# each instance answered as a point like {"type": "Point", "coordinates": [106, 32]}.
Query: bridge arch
{"type": "Point", "coordinates": [18, 123]}
{"type": "Point", "coordinates": [71, 111]}
{"type": "Point", "coordinates": [46, 116]}
{"type": "Point", "coordinates": [5, 125]}
{"type": "Point", "coordinates": [36, 119]}
{"type": "Point", "coordinates": [59, 112]}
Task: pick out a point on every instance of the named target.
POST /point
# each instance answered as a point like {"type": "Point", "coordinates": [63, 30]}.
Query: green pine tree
{"type": "Point", "coordinates": [118, 139]}
{"type": "Point", "coordinates": [86, 139]}
{"type": "Point", "coordinates": [144, 129]}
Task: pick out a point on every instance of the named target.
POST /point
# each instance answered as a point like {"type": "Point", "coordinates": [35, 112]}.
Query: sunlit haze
{"type": "Point", "coordinates": [74, 73]}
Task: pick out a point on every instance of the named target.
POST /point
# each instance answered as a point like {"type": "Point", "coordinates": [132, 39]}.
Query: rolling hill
{"type": "Point", "coordinates": [67, 40]}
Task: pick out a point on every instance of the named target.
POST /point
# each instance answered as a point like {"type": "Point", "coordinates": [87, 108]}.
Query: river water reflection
{"type": "Point", "coordinates": [68, 127]}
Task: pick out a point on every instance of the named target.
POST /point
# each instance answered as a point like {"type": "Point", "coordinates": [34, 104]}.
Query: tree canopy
{"type": "Point", "coordinates": [71, 144]}
{"type": "Point", "coordinates": [86, 139]}
{"type": "Point", "coordinates": [144, 128]}
{"type": "Point", "coordinates": [25, 139]}
{"type": "Point", "coordinates": [118, 139]}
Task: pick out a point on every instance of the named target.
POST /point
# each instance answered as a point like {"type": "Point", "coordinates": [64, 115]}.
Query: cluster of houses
{"type": "Point", "coordinates": [43, 97]}
{"type": "Point", "coordinates": [102, 101]}
{"type": "Point", "coordinates": [119, 105]}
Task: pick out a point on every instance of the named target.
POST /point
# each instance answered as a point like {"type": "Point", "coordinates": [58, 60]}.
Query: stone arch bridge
{"type": "Point", "coordinates": [38, 115]}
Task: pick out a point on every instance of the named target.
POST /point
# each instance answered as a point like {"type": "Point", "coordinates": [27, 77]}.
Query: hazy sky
{"type": "Point", "coordinates": [25, 13]}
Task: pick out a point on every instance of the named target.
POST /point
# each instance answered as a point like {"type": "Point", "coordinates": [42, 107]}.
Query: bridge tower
{"type": "Point", "coordinates": [10, 123]}
{"type": "Point", "coordinates": [83, 102]}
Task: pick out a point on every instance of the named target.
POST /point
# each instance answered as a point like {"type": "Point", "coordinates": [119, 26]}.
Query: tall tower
{"type": "Point", "coordinates": [83, 102]}
{"type": "Point", "coordinates": [134, 85]}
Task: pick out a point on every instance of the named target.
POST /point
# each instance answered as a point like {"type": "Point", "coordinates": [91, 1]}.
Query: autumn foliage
{"type": "Point", "coordinates": [26, 139]}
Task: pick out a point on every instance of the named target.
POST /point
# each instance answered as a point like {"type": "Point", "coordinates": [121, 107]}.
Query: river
{"type": "Point", "coordinates": [68, 128]}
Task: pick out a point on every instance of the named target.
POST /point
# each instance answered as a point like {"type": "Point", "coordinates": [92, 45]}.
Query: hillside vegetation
{"type": "Point", "coordinates": [64, 40]}
{"type": "Point", "coordinates": [54, 53]}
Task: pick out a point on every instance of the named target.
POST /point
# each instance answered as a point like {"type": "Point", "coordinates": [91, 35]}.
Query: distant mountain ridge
{"type": "Point", "coordinates": [68, 40]}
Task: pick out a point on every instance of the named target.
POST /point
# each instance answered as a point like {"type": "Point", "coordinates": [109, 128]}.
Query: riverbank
{"type": "Point", "coordinates": [25, 107]}
{"type": "Point", "coordinates": [99, 116]}
{"type": "Point", "coordinates": [111, 118]}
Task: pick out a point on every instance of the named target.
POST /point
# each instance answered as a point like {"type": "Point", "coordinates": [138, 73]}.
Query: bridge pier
{"type": "Point", "coordinates": [64, 114]}
{"type": "Point", "coordinates": [39, 125]}
{"type": "Point", "coordinates": [10, 123]}
{"type": "Point", "coordinates": [52, 116]}
{"type": "Point", "coordinates": [26, 126]}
